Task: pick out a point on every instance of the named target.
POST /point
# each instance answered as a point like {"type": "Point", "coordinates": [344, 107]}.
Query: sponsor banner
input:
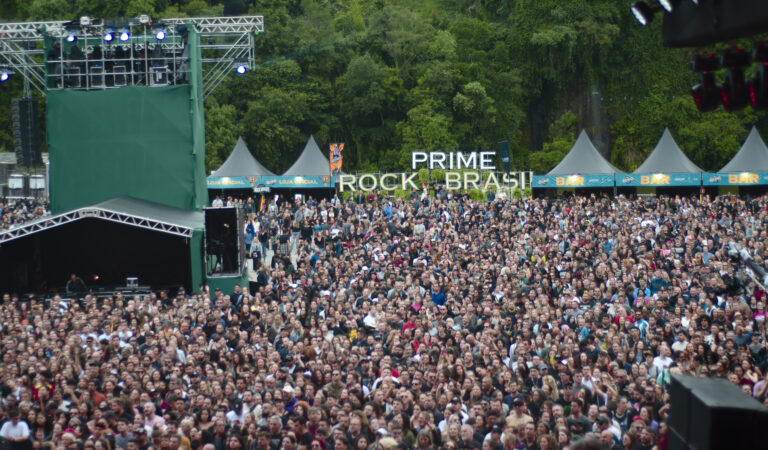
{"type": "Point", "coordinates": [325, 181]}
{"type": "Point", "coordinates": [658, 179]}
{"type": "Point", "coordinates": [735, 179]}
{"type": "Point", "coordinates": [572, 181]}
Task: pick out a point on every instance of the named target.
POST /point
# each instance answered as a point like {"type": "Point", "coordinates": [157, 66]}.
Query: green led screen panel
{"type": "Point", "coordinates": [143, 142]}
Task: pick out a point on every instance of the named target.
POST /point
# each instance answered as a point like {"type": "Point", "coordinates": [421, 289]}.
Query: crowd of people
{"type": "Point", "coordinates": [14, 213]}
{"type": "Point", "coordinates": [431, 323]}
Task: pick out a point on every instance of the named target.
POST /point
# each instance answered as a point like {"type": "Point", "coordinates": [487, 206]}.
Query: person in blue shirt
{"type": "Point", "coordinates": [438, 298]}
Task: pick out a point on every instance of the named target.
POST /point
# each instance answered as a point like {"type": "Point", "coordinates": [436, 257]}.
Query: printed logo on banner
{"type": "Point", "coordinates": [658, 178]}
{"type": "Point", "coordinates": [573, 180]}
{"type": "Point", "coordinates": [253, 180]}
{"type": "Point", "coordinates": [627, 180]}
{"type": "Point", "coordinates": [543, 181]}
{"type": "Point", "coordinates": [715, 179]}
{"type": "Point", "coordinates": [743, 178]}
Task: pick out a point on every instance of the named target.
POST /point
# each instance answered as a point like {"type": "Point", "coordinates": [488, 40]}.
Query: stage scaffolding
{"type": "Point", "coordinates": [76, 55]}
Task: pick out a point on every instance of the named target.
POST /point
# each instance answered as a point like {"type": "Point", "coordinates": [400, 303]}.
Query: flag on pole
{"type": "Point", "coordinates": [504, 146]}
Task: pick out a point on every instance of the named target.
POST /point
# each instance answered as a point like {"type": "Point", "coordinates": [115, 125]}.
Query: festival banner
{"type": "Point", "coordinates": [336, 158]}
{"type": "Point", "coordinates": [572, 181]}
{"type": "Point", "coordinates": [324, 181]}
{"type": "Point", "coordinates": [735, 179]}
{"type": "Point", "coordinates": [658, 179]}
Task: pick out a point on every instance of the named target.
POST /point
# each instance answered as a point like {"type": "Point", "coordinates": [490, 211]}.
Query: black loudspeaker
{"type": "Point", "coordinates": [224, 246]}
{"type": "Point", "coordinates": [26, 133]}
{"type": "Point", "coordinates": [712, 413]}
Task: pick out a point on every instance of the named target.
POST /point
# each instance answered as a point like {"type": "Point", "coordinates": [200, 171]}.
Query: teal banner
{"type": "Point", "coordinates": [735, 179]}
{"type": "Point", "coordinates": [270, 182]}
{"type": "Point", "coordinates": [658, 179]}
{"type": "Point", "coordinates": [572, 181]}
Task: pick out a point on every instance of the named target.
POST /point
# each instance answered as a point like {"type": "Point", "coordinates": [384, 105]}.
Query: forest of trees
{"type": "Point", "coordinates": [387, 77]}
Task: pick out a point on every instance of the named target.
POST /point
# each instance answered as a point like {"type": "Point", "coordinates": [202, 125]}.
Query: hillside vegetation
{"type": "Point", "coordinates": [389, 77]}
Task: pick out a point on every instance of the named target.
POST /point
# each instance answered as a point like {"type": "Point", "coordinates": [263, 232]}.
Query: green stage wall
{"type": "Point", "coordinates": [138, 141]}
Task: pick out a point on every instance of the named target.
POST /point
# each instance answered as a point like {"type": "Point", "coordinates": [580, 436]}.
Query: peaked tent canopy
{"type": "Point", "coordinates": [311, 162]}
{"type": "Point", "coordinates": [668, 158]}
{"type": "Point", "coordinates": [241, 163]}
{"type": "Point", "coordinates": [584, 158]}
{"type": "Point", "coordinates": [753, 156]}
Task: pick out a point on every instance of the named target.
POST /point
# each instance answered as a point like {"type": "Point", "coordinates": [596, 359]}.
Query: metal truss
{"type": "Point", "coordinates": [224, 42]}
{"type": "Point", "coordinates": [94, 213]}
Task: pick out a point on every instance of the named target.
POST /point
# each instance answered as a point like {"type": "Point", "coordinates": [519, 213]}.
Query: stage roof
{"type": "Point", "coordinates": [126, 210]}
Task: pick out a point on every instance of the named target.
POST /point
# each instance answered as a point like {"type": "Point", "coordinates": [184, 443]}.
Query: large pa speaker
{"type": "Point", "coordinates": [712, 413]}
{"type": "Point", "coordinates": [26, 133]}
{"type": "Point", "coordinates": [224, 246]}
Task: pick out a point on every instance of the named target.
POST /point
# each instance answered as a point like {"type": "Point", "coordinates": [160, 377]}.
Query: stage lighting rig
{"type": "Point", "coordinates": [734, 91]}
{"type": "Point", "coordinates": [706, 94]}
{"type": "Point", "coordinates": [758, 86]}
{"type": "Point", "coordinates": [643, 13]}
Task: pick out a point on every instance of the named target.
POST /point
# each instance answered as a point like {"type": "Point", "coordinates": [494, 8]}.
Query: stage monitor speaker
{"type": "Point", "coordinates": [26, 133]}
{"type": "Point", "coordinates": [712, 413]}
{"type": "Point", "coordinates": [224, 246]}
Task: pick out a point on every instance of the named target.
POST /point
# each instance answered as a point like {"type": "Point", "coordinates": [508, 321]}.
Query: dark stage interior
{"type": "Point", "coordinates": [101, 252]}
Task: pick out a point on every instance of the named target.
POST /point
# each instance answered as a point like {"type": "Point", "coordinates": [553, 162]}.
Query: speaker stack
{"type": "Point", "coordinates": [26, 133]}
{"type": "Point", "coordinates": [712, 413]}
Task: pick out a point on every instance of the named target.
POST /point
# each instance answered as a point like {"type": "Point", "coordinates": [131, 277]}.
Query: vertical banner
{"type": "Point", "coordinates": [336, 158]}
{"type": "Point", "coordinates": [504, 146]}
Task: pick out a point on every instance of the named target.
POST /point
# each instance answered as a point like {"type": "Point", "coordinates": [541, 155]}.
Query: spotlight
{"type": "Point", "coordinates": [706, 94]}
{"type": "Point", "coordinates": [85, 21]}
{"type": "Point", "coordinates": [108, 36]}
{"type": "Point", "coordinates": [241, 69]}
{"type": "Point", "coordinates": [71, 37]}
{"type": "Point", "coordinates": [642, 12]}
{"type": "Point", "coordinates": [668, 5]}
{"type": "Point", "coordinates": [124, 35]}
{"type": "Point", "coordinates": [4, 75]}
{"type": "Point", "coordinates": [160, 35]}
{"type": "Point", "coordinates": [734, 92]}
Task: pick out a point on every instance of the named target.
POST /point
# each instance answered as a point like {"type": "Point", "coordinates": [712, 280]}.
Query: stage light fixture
{"type": "Point", "coordinates": [734, 91]}
{"type": "Point", "coordinates": [85, 21]}
{"type": "Point", "coordinates": [758, 86]}
{"type": "Point", "coordinates": [109, 36]}
{"type": "Point", "coordinates": [4, 75]}
{"type": "Point", "coordinates": [160, 35]}
{"type": "Point", "coordinates": [71, 37]}
{"type": "Point", "coordinates": [706, 94]}
{"type": "Point", "coordinates": [642, 12]}
{"type": "Point", "coordinates": [668, 5]}
{"type": "Point", "coordinates": [241, 69]}
{"type": "Point", "coordinates": [124, 35]}
{"type": "Point", "coordinates": [144, 19]}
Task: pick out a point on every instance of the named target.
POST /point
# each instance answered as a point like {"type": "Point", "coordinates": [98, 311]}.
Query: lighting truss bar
{"type": "Point", "coordinates": [93, 212]}
{"type": "Point", "coordinates": [21, 45]}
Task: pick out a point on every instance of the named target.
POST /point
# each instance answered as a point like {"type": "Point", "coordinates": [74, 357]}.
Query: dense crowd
{"type": "Point", "coordinates": [14, 213]}
{"type": "Point", "coordinates": [436, 322]}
